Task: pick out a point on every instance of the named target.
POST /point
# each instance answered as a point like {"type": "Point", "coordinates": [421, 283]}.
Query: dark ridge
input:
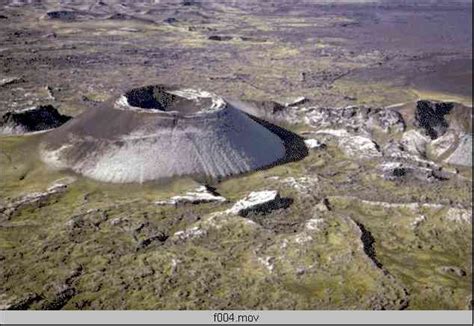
{"type": "Point", "coordinates": [269, 106]}
{"type": "Point", "coordinates": [42, 117]}
{"type": "Point", "coordinates": [61, 299]}
{"type": "Point", "coordinates": [188, 3]}
{"type": "Point", "coordinates": [26, 302]}
{"type": "Point", "coordinates": [62, 15]}
{"type": "Point", "coordinates": [430, 116]}
{"type": "Point", "coordinates": [252, 39]}
{"type": "Point", "coordinates": [159, 238]}
{"type": "Point", "coordinates": [368, 240]}
{"type": "Point", "coordinates": [158, 98]}
{"type": "Point", "coordinates": [119, 16]}
{"type": "Point", "coordinates": [267, 208]}
{"type": "Point", "coordinates": [220, 38]}
{"type": "Point", "coordinates": [170, 20]}
{"type": "Point", "coordinates": [212, 190]}
{"type": "Point", "coordinates": [399, 172]}
{"type": "Point", "coordinates": [295, 148]}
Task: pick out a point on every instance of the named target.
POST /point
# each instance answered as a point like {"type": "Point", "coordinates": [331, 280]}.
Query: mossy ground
{"type": "Point", "coordinates": [274, 263]}
{"type": "Point", "coordinates": [89, 236]}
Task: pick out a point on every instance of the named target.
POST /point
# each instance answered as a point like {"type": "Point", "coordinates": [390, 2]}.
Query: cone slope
{"type": "Point", "coordinates": [209, 138]}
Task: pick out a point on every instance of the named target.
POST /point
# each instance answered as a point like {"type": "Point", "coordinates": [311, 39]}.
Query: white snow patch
{"type": "Point", "coordinates": [194, 94]}
{"type": "Point", "coordinates": [412, 206]}
{"type": "Point", "coordinates": [304, 185]}
{"type": "Point", "coordinates": [314, 224]}
{"type": "Point", "coordinates": [118, 220]}
{"type": "Point", "coordinates": [61, 183]}
{"type": "Point", "coordinates": [188, 93]}
{"type": "Point", "coordinates": [200, 195]}
{"type": "Point", "coordinates": [297, 101]}
{"type": "Point", "coordinates": [190, 233]}
{"type": "Point", "coordinates": [414, 142]}
{"type": "Point", "coordinates": [387, 166]}
{"type": "Point", "coordinates": [334, 132]}
{"type": "Point", "coordinates": [303, 238]}
{"type": "Point", "coordinates": [442, 144]}
{"type": "Point", "coordinates": [462, 155]}
{"type": "Point", "coordinates": [418, 220]}
{"type": "Point", "coordinates": [268, 262]}
{"type": "Point", "coordinates": [359, 146]}
{"type": "Point", "coordinates": [353, 145]}
{"type": "Point", "coordinates": [253, 200]}
{"type": "Point", "coordinates": [174, 264]}
{"type": "Point", "coordinates": [8, 80]}
{"type": "Point", "coordinates": [396, 105]}
{"type": "Point", "coordinates": [313, 143]}
{"type": "Point", "coordinates": [459, 215]}
{"type": "Point", "coordinates": [53, 157]}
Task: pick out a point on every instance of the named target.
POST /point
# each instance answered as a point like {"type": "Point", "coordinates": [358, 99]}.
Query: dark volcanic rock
{"type": "Point", "coordinates": [62, 297]}
{"type": "Point", "coordinates": [220, 38]}
{"type": "Point", "coordinates": [453, 270]}
{"type": "Point", "coordinates": [411, 171]}
{"type": "Point", "coordinates": [261, 203]}
{"type": "Point", "coordinates": [189, 2]}
{"type": "Point", "coordinates": [25, 302]}
{"type": "Point", "coordinates": [430, 117]}
{"type": "Point", "coordinates": [38, 118]}
{"type": "Point", "coordinates": [159, 238]}
{"type": "Point", "coordinates": [269, 106]}
{"type": "Point", "coordinates": [368, 242]}
{"type": "Point", "coordinates": [61, 15]}
{"type": "Point", "coordinates": [170, 20]}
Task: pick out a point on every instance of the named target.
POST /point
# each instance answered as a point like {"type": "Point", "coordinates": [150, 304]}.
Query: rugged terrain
{"type": "Point", "coordinates": [376, 216]}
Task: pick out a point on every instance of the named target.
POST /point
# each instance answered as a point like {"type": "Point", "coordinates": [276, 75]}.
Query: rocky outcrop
{"type": "Point", "coordinates": [414, 142]}
{"type": "Point", "coordinates": [411, 171]}
{"type": "Point", "coordinates": [36, 199]}
{"type": "Point", "coordinates": [297, 101]}
{"type": "Point", "coordinates": [462, 155]}
{"type": "Point", "coordinates": [452, 270]}
{"type": "Point", "coordinates": [356, 118]}
{"type": "Point", "coordinates": [441, 133]}
{"type": "Point", "coordinates": [448, 214]}
{"type": "Point", "coordinates": [9, 80]}
{"type": "Point", "coordinates": [441, 145]}
{"type": "Point", "coordinates": [353, 145]}
{"type": "Point", "coordinates": [42, 117]}
{"type": "Point", "coordinates": [22, 304]}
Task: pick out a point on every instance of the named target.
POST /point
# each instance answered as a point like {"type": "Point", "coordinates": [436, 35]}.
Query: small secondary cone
{"type": "Point", "coordinates": [160, 132]}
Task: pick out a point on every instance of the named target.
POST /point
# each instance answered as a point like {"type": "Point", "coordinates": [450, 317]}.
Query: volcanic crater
{"type": "Point", "coordinates": [169, 99]}
{"type": "Point", "coordinates": [158, 132]}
